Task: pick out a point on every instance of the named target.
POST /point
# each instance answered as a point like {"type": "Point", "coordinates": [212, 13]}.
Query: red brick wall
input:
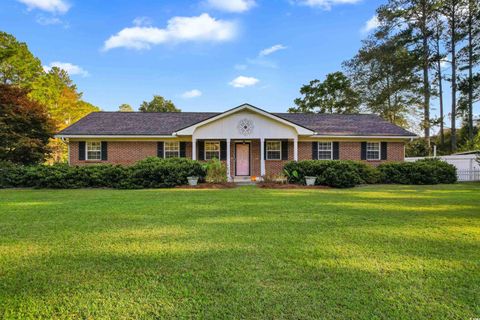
{"type": "Point", "coordinates": [124, 152]}
{"type": "Point", "coordinates": [129, 152]}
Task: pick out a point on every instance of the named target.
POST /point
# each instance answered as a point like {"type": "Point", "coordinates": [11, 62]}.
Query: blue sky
{"type": "Point", "coordinates": [205, 55]}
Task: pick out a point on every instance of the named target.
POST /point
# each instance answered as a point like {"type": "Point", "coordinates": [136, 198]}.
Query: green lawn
{"type": "Point", "coordinates": [376, 252]}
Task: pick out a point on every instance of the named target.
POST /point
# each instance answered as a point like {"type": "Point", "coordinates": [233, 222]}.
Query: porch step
{"type": "Point", "coordinates": [243, 181]}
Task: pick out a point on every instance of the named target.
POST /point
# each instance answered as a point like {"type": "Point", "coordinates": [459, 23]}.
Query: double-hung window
{"type": "Point", "coordinates": [373, 150]}
{"type": "Point", "coordinates": [172, 149]}
{"type": "Point", "coordinates": [274, 150]}
{"type": "Point", "coordinates": [325, 151]}
{"type": "Point", "coordinates": [94, 150]}
{"type": "Point", "coordinates": [212, 150]}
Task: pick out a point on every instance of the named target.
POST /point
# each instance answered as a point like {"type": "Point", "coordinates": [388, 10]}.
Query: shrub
{"type": "Point", "coordinates": [149, 173]}
{"type": "Point", "coordinates": [163, 173]}
{"type": "Point", "coordinates": [216, 171]}
{"type": "Point", "coordinates": [338, 174]}
{"type": "Point", "coordinates": [427, 171]}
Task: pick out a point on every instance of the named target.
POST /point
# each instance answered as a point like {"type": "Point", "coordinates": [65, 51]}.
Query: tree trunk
{"type": "Point", "coordinates": [453, 131]}
{"type": "Point", "coordinates": [440, 89]}
{"type": "Point", "coordinates": [426, 81]}
{"type": "Point", "coordinates": [470, 71]}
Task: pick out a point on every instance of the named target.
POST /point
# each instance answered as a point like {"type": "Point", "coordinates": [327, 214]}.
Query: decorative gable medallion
{"type": "Point", "coordinates": [245, 127]}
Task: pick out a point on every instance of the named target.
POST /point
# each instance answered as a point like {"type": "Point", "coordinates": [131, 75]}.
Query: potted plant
{"type": "Point", "coordinates": [310, 180]}
{"type": "Point", "coordinates": [193, 181]}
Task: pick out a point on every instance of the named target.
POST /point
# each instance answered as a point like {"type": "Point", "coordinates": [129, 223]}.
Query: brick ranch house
{"type": "Point", "coordinates": [251, 141]}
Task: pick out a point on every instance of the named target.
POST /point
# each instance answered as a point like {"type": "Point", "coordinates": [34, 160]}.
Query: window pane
{"type": "Point", "coordinates": [324, 146]}
{"type": "Point", "coordinates": [373, 150]}
{"type": "Point", "coordinates": [324, 155]}
{"type": "Point", "coordinates": [212, 150]}
{"type": "Point", "coordinates": [94, 150]}
{"type": "Point", "coordinates": [324, 151]}
{"type": "Point", "coordinates": [172, 149]}
{"type": "Point", "coordinates": [274, 150]}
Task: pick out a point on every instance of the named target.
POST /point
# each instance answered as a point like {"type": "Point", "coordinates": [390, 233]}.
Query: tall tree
{"type": "Point", "coordinates": [413, 20]}
{"type": "Point", "coordinates": [334, 95]}
{"type": "Point", "coordinates": [383, 73]}
{"type": "Point", "coordinates": [438, 59]}
{"type": "Point", "coordinates": [125, 107]}
{"type": "Point", "coordinates": [452, 11]}
{"type": "Point", "coordinates": [158, 104]}
{"type": "Point", "coordinates": [25, 127]}
{"type": "Point", "coordinates": [17, 64]}
{"type": "Point", "coordinates": [469, 58]}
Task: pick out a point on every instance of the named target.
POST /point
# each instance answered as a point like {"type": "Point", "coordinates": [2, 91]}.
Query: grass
{"type": "Point", "coordinates": [376, 252]}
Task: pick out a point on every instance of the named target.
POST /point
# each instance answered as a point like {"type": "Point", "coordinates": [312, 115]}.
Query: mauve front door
{"type": "Point", "coordinates": [242, 158]}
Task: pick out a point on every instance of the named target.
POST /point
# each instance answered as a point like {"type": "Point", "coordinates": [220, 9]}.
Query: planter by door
{"type": "Point", "coordinates": [310, 181]}
{"type": "Point", "coordinates": [242, 159]}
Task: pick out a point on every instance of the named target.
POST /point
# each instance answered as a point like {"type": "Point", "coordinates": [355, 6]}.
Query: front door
{"type": "Point", "coordinates": [242, 159]}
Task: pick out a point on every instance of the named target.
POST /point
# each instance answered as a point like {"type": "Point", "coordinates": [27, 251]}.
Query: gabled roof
{"type": "Point", "coordinates": [157, 124]}
{"type": "Point", "coordinates": [188, 130]}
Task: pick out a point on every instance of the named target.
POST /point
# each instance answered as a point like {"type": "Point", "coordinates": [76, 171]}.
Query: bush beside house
{"type": "Point", "coordinates": [427, 171]}
{"type": "Point", "coordinates": [149, 173]}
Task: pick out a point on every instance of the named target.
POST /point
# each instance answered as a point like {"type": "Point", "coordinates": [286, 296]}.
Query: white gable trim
{"type": "Point", "coordinates": [188, 131]}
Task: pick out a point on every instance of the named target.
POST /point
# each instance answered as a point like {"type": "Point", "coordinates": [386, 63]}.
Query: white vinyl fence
{"type": "Point", "coordinates": [468, 169]}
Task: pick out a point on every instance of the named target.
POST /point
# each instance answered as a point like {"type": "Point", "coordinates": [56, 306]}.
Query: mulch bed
{"type": "Point", "coordinates": [272, 185]}
{"type": "Point", "coordinates": [227, 185]}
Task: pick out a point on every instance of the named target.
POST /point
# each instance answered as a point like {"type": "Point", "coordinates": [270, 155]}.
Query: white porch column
{"type": "Point", "coordinates": [194, 149]}
{"type": "Point", "coordinates": [262, 157]}
{"type": "Point", "coordinates": [295, 149]}
{"type": "Point", "coordinates": [229, 178]}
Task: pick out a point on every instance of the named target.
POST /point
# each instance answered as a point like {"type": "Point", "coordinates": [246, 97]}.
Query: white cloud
{"type": "Point", "coordinates": [371, 24]}
{"type": "Point", "coordinates": [272, 49]}
{"type": "Point", "coordinates": [55, 6]}
{"type": "Point", "coordinates": [70, 68]}
{"type": "Point", "coordinates": [231, 5]}
{"type": "Point", "coordinates": [48, 20]}
{"type": "Point", "coordinates": [191, 94]}
{"type": "Point", "coordinates": [325, 4]}
{"type": "Point", "coordinates": [179, 29]}
{"type": "Point", "coordinates": [242, 82]}
{"type": "Point", "coordinates": [142, 21]}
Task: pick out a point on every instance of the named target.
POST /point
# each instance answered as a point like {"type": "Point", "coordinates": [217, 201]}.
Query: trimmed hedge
{"type": "Point", "coordinates": [347, 174]}
{"type": "Point", "coordinates": [427, 171]}
{"type": "Point", "coordinates": [333, 173]}
{"type": "Point", "coordinates": [149, 173]}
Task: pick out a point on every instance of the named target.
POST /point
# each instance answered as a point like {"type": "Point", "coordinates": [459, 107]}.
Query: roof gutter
{"type": "Point", "coordinates": [365, 137]}
{"type": "Point", "coordinates": [93, 136]}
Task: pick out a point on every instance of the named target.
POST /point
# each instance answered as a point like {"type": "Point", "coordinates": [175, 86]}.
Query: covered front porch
{"type": "Point", "coordinates": [247, 158]}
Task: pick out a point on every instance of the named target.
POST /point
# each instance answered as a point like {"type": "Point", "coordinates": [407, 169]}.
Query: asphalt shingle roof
{"type": "Point", "coordinates": [158, 123]}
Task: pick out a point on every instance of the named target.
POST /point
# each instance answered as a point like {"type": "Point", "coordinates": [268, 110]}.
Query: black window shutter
{"type": "Point", "coordinates": [265, 149]}
{"type": "Point", "coordinates": [160, 149]}
{"type": "Point", "coordinates": [336, 151]}
{"type": "Point", "coordinates": [363, 153]}
{"type": "Point", "coordinates": [314, 150]}
{"type": "Point", "coordinates": [383, 151]}
{"type": "Point", "coordinates": [104, 150]}
{"type": "Point", "coordinates": [223, 150]}
{"type": "Point", "coordinates": [284, 149]}
{"type": "Point", "coordinates": [183, 148]}
{"type": "Point", "coordinates": [201, 149]}
{"type": "Point", "coordinates": [81, 150]}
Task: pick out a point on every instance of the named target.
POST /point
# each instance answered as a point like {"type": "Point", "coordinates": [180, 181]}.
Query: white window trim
{"type": "Point", "coordinates": [165, 149]}
{"type": "Point", "coordinates": [205, 151]}
{"type": "Point", "coordinates": [318, 150]}
{"type": "Point", "coordinates": [266, 149]}
{"type": "Point", "coordinates": [379, 151]}
{"type": "Point", "coordinates": [86, 151]}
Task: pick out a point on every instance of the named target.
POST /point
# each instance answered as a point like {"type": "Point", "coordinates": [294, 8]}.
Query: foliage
{"type": "Point", "coordinates": [17, 65]}
{"type": "Point", "coordinates": [338, 174]}
{"type": "Point", "coordinates": [158, 104]}
{"type": "Point", "coordinates": [334, 95]}
{"type": "Point", "coordinates": [216, 171]}
{"type": "Point", "coordinates": [417, 148]}
{"type": "Point", "coordinates": [163, 173]}
{"type": "Point", "coordinates": [148, 173]}
{"type": "Point", "coordinates": [125, 107]}
{"type": "Point", "coordinates": [25, 127]}
{"type": "Point", "coordinates": [383, 74]}
{"type": "Point", "coordinates": [427, 171]}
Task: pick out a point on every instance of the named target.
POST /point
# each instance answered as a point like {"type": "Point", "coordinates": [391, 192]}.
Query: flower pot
{"type": "Point", "coordinates": [310, 181]}
{"type": "Point", "coordinates": [193, 181]}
